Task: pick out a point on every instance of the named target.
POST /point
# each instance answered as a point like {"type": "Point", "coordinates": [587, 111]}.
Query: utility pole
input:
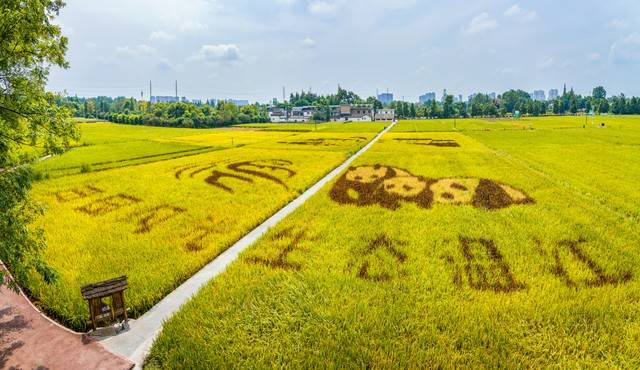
{"type": "Point", "coordinates": [150, 93]}
{"type": "Point", "coordinates": [284, 99]}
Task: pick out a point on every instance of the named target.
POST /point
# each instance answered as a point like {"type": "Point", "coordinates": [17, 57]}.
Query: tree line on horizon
{"type": "Point", "coordinates": [222, 113]}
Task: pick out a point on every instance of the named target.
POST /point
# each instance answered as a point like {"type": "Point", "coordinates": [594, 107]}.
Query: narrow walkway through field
{"type": "Point", "coordinates": [136, 342]}
{"type": "Point", "coordinates": [30, 340]}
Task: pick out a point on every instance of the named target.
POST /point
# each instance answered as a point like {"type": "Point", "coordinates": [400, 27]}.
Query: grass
{"type": "Point", "coordinates": [160, 222]}
{"type": "Point", "coordinates": [553, 283]}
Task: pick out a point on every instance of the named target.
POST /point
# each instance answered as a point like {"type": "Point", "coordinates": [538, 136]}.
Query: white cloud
{"type": "Point", "coordinates": [593, 56]}
{"type": "Point", "coordinates": [480, 23]}
{"type": "Point", "coordinates": [136, 51]}
{"type": "Point", "coordinates": [161, 36]}
{"type": "Point", "coordinates": [626, 49]}
{"type": "Point", "coordinates": [90, 45]}
{"type": "Point", "coordinates": [308, 43]}
{"type": "Point", "coordinates": [164, 65]}
{"type": "Point", "coordinates": [192, 27]}
{"type": "Point", "coordinates": [286, 2]}
{"type": "Point", "coordinates": [217, 53]}
{"type": "Point", "coordinates": [552, 62]}
{"type": "Point", "coordinates": [617, 24]}
{"type": "Point", "coordinates": [519, 14]}
{"type": "Point", "coordinates": [547, 63]}
{"type": "Point", "coordinates": [322, 7]}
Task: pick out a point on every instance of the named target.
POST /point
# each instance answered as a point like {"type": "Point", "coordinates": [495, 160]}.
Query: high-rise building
{"type": "Point", "coordinates": [539, 95]}
{"type": "Point", "coordinates": [427, 98]}
{"type": "Point", "coordinates": [459, 98]}
{"type": "Point", "coordinates": [492, 96]}
{"type": "Point", "coordinates": [553, 94]}
{"type": "Point", "coordinates": [164, 99]}
{"type": "Point", "coordinates": [444, 94]}
{"type": "Point", "coordinates": [385, 98]}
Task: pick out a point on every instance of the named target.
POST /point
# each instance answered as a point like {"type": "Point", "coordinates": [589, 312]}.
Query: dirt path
{"type": "Point", "coordinates": [29, 340]}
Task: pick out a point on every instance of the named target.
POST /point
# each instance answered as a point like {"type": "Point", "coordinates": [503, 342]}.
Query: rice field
{"type": "Point", "coordinates": [160, 221]}
{"type": "Point", "coordinates": [486, 246]}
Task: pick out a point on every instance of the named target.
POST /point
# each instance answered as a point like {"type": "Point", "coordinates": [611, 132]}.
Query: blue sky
{"type": "Point", "coordinates": [250, 49]}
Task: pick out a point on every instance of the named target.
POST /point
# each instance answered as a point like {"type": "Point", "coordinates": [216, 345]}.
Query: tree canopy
{"type": "Point", "coordinates": [29, 116]}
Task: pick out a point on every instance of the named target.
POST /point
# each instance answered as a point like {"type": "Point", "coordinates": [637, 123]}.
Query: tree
{"type": "Point", "coordinates": [447, 106]}
{"type": "Point", "coordinates": [513, 100]}
{"type": "Point", "coordinates": [29, 44]}
{"type": "Point", "coordinates": [599, 93]}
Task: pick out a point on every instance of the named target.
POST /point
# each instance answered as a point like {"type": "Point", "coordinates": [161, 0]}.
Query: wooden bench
{"type": "Point", "coordinates": [101, 312]}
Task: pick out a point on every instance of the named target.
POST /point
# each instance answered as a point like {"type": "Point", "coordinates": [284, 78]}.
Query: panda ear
{"type": "Point", "coordinates": [490, 195]}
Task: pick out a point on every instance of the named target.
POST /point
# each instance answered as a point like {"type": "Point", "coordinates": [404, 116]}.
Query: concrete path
{"type": "Point", "coordinates": [136, 342]}
{"type": "Point", "coordinates": [30, 340]}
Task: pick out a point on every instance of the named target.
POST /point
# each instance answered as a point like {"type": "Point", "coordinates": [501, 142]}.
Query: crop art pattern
{"type": "Point", "coordinates": [326, 141]}
{"type": "Point", "coordinates": [445, 143]}
{"type": "Point", "coordinates": [274, 170]}
{"type": "Point", "coordinates": [388, 186]}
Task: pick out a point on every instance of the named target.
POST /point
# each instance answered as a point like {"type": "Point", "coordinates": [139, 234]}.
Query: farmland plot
{"type": "Point", "coordinates": [107, 145]}
{"type": "Point", "coordinates": [160, 222]}
{"type": "Point", "coordinates": [432, 250]}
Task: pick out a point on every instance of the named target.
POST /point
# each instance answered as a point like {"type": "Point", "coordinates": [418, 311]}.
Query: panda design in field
{"type": "Point", "coordinates": [387, 186]}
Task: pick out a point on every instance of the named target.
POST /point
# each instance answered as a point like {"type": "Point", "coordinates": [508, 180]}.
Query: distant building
{"type": "Point", "coordinates": [553, 94]}
{"type": "Point", "coordinates": [385, 98]}
{"type": "Point", "coordinates": [492, 96]}
{"type": "Point", "coordinates": [470, 98]}
{"type": "Point", "coordinates": [302, 114]}
{"type": "Point", "coordinates": [165, 99]}
{"type": "Point", "coordinates": [239, 103]}
{"type": "Point", "coordinates": [427, 98]}
{"type": "Point", "coordinates": [444, 95]}
{"type": "Point", "coordinates": [460, 98]}
{"type": "Point", "coordinates": [349, 112]}
{"type": "Point", "coordinates": [278, 115]}
{"type": "Point", "coordinates": [386, 114]}
{"type": "Point", "coordinates": [539, 95]}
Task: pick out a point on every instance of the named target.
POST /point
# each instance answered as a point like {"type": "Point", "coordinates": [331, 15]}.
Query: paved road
{"type": "Point", "coordinates": [29, 340]}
